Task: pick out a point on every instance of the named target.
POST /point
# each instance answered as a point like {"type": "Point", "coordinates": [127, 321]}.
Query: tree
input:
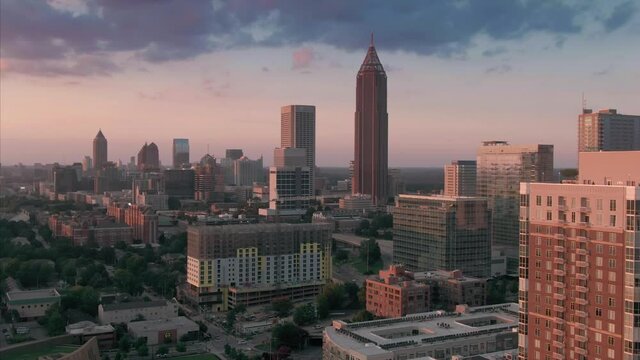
{"type": "Point", "coordinates": [143, 350]}
{"type": "Point", "coordinates": [289, 335]}
{"type": "Point", "coordinates": [323, 307]}
{"type": "Point", "coordinates": [126, 281]}
{"type": "Point", "coordinates": [124, 344]}
{"type": "Point", "coordinates": [334, 294]}
{"type": "Point", "coordinates": [181, 347]}
{"type": "Point", "coordinates": [342, 255]}
{"type": "Point", "coordinates": [55, 323]}
{"type": "Point", "coordinates": [162, 350]}
{"type": "Point", "coordinates": [363, 315]}
{"type": "Point", "coordinates": [370, 251]}
{"type": "Point", "coordinates": [282, 306]}
{"type": "Point", "coordinates": [351, 290]}
{"type": "Point", "coordinates": [304, 315]}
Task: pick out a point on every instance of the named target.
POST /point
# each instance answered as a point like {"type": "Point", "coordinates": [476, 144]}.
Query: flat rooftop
{"type": "Point", "coordinates": [382, 336]}
{"type": "Point", "coordinates": [163, 324]}
{"type": "Point", "coordinates": [133, 305]}
{"type": "Point", "coordinates": [31, 295]}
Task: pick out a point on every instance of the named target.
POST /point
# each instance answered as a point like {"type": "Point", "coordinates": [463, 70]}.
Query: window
{"type": "Point", "coordinates": [612, 205]}
{"type": "Point", "coordinates": [549, 201]}
{"type": "Point", "coordinates": [612, 220]}
{"type": "Point", "coordinates": [612, 263]}
{"type": "Point", "coordinates": [598, 204]}
{"type": "Point", "coordinates": [612, 302]}
{"type": "Point", "coordinates": [538, 200]}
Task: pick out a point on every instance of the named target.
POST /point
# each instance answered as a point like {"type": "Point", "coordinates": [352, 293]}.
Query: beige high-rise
{"type": "Point", "coordinates": [460, 178]}
{"type": "Point", "coordinates": [606, 130]}
{"type": "Point", "coordinates": [298, 130]}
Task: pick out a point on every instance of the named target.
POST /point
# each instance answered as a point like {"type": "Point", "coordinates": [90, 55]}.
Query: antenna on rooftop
{"type": "Point", "coordinates": [584, 101]}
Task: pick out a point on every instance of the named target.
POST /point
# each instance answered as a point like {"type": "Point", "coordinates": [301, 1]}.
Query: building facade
{"type": "Point", "coordinates": [606, 130]}
{"type": "Point", "coordinates": [500, 169]}
{"type": "Point", "coordinates": [149, 158]}
{"type": "Point", "coordinates": [252, 264]}
{"type": "Point", "coordinates": [208, 180]}
{"type": "Point", "coordinates": [31, 304]}
{"type": "Point", "coordinates": [179, 183]}
{"type": "Point", "coordinates": [578, 269]}
{"type": "Point", "coordinates": [460, 178]}
{"type": "Point", "coordinates": [180, 153]}
{"type": "Point", "coordinates": [163, 331]}
{"type": "Point", "coordinates": [442, 233]}
{"type": "Point", "coordinates": [370, 167]}
{"type": "Point", "coordinates": [394, 293]}
{"type": "Point", "coordinates": [247, 171]}
{"type": "Point", "coordinates": [298, 130]}
{"type": "Point", "coordinates": [125, 312]}
{"type": "Point", "coordinates": [290, 191]}
{"type": "Point", "coordinates": [99, 150]}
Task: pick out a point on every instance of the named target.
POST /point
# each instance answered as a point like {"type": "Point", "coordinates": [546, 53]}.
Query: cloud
{"type": "Point", "coordinates": [498, 69]}
{"type": "Point", "coordinates": [494, 51]}
{"type": "Point", "coordinates": [603, 72]}
{"type": "Point", "coordinates": [159, 31]}
{"type": "Point", "coordinates": [84, 65]}
{"type": "Point", "coordinates": [302, 58]}
{"type": "Point", "coordinates": [265, 69]}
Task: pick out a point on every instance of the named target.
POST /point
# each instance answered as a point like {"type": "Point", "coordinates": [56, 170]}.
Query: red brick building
{"type": "Point", "coordinates": [395, 293]}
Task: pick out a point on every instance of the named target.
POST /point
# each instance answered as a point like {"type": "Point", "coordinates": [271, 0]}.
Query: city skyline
{"type": "Point", "coordinates": [488, 69]}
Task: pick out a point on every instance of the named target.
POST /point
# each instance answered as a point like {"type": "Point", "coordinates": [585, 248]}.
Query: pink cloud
{"type": "Point", "coordinates": [303, 57]}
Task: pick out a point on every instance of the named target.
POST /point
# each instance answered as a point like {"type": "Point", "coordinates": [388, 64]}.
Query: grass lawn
{"type": "Point", "coordinates": [31, 353]}
{"type": "Point", "coordinates": [198, 357]}
{"type": "Point", "coordinates": [361, 266]}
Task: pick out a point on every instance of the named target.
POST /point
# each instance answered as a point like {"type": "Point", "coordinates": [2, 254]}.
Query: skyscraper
{"type": "Point", "coordinates": [289, 184]}
{"type": "Point", "coordinates": [180, 153]}
{"type": "Point", "coordinates": [460, 178]}
{"type": "Point", "coordinates": [579, 273]}
{"type": "Point", "coordinates": [99, 151]}
{"type": "Point", "coordinates": [298, 130]}
{"type": "Point", "coordinates": [148, 158]}
{"type": "Point", "coordinates": [371, 130]}
{"type": "Point", "coordinates": [607, 130]}
{"type": "Point", "coordinates": [442, 233]}
{"type": "Point", "coordinates": [233, 154]}
{"type": "Point", "coordinates": [500, 169]}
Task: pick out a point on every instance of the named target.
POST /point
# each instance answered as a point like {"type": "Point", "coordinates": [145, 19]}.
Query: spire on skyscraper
{"type": "Point", "coordinates": [371, 61]}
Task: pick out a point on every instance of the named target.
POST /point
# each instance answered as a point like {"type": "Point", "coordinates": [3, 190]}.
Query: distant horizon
{"type": "Point", "coordinates": [454, 80]}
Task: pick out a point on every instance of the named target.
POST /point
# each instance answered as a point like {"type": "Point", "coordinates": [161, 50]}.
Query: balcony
{"type": "Point", "coordinates": [581, 338]}
{"type": "Point", "coordinates": [558, 308]}
{"type": "Point", "coordinates": [558, 356]}
{"type": "Point", "coordinates": [581, 301]}
{"type": "Point", "coordinates": [582, 264]}
{"type": "Point", "coordinates": [584, 224]}
{"type": "Point", "coordinates": [559, 321]}
{"type": "Point", "coordinates": [585, 209]}
{"type": "Point", "coordinates": [582, 252]}
{"type": "Point", "coordinates": [559, 248]}
{"type": "Point", "coordinates": [562, 207]}
{"type": "Point", "coordinates": [580, 313]}
{"type": "Point", "coordinates": [581, 289]}
{"type": "Point", "coordinates": [558, 272]}
{"type": "Point", "coordinates": [580, 276]}
{"type": "Point", "coordinates": [558, 260]}
{"type": "Point", "coordinates": [581, 326]}
{"type": "Point", "coordinates": [559, 236]}
{"type": "Point", "coordinates": [558, 284]}
{"type": "Point", "coordinates": [558, 332]}
{"type": "Point", "coordinates": [558, 344]}
{"type": "Point", "coordinates": [581, 351]}
{"type": "Point", "coordinates": [560, 297]}
{"type": "Point", "coordinates": [581, 238]}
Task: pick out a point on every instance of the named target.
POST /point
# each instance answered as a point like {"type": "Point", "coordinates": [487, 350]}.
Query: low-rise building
{"type": "Point", "coordinates": [32, 304]}
{"type": "Point", "coordinates": [84, 330]}
{"type": "Point", "coordinates": [469, 331]}
{"type": "Point", "coordinates": [163, 331]}
{"type": "Point", "coordinates": [358, 202]}
{"type": "Point", "coordinates": [454, 288]}
{"type": "Point", "coordinates": [395, 293]}
{"type": "Point", "coordinates": [124, 312]}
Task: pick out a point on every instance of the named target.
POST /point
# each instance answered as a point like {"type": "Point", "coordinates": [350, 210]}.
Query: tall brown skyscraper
{"type": "Point", "coordinates": [99, 151]}
{"type": "Point", "coordinates": [371, 132]}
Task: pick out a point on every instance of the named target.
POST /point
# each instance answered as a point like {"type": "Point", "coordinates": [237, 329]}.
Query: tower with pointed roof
{"type": "Point", "coordinates": [370, 171]}
{"type": "Point", "coordinates": [99, 151]}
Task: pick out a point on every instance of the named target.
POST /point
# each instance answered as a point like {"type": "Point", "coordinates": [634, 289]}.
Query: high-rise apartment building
{"type": "Point", "coordinates": [99, 151]}
{"type": "Point", "coordinates": [442, 233]}
{"type": "Point", "coordinates": [298, 130]}
{"type": "Point", "coordinates": [180, 153]}
{"type": "Point", "coordinates": [579, 274]}
{"type": "Point", "coordinates": [371, 130]}
{"type": "Point", "coordinates": [247, 171]}
{"type": "Point", "coordinates": [87, 164]}
{"type": "Point", "coordinates": [606, 130]}
{"type": "Point", "coordinates": [149, 158]}
{"type": "Point", "coordinates": [500, 169]}
{"type": "Point", "coordinates": [208, 180]}
{"type": "Point", "coordinates": [460, 178]}
{"type": "Point", "coordinates": [290, 191]}
{"type": "Point", "coordinates": [252, 264]}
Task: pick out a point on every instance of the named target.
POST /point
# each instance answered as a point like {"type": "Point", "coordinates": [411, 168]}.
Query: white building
{"type": "Point", "coordinates": [163, 331]}
{"type": "Point", "coordinates": [32, 304]}
{"type": "Point", "coordinates": [440, 335]}
{"type": "Point", "coordinates": [125, 312]}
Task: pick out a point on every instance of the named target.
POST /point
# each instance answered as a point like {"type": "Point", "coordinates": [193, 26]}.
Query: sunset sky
{"type": "Point", "coordinates": [217, 72]}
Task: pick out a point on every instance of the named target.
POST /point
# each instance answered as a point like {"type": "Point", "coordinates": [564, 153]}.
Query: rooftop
{"type": "Point", "coordinates": [164, 324]}
{"type": "Point", "coordinates": [382, 336]}
{"type": "Point", "coordinates": [25, 295]}
{"type": "Point", "coordinates": [133, 305]}
{"type": "Point", "coordinates": [88, 328]}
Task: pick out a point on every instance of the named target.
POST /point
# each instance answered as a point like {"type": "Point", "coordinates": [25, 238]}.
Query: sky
{"type": "Point", "coordinates": [217, 72]}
